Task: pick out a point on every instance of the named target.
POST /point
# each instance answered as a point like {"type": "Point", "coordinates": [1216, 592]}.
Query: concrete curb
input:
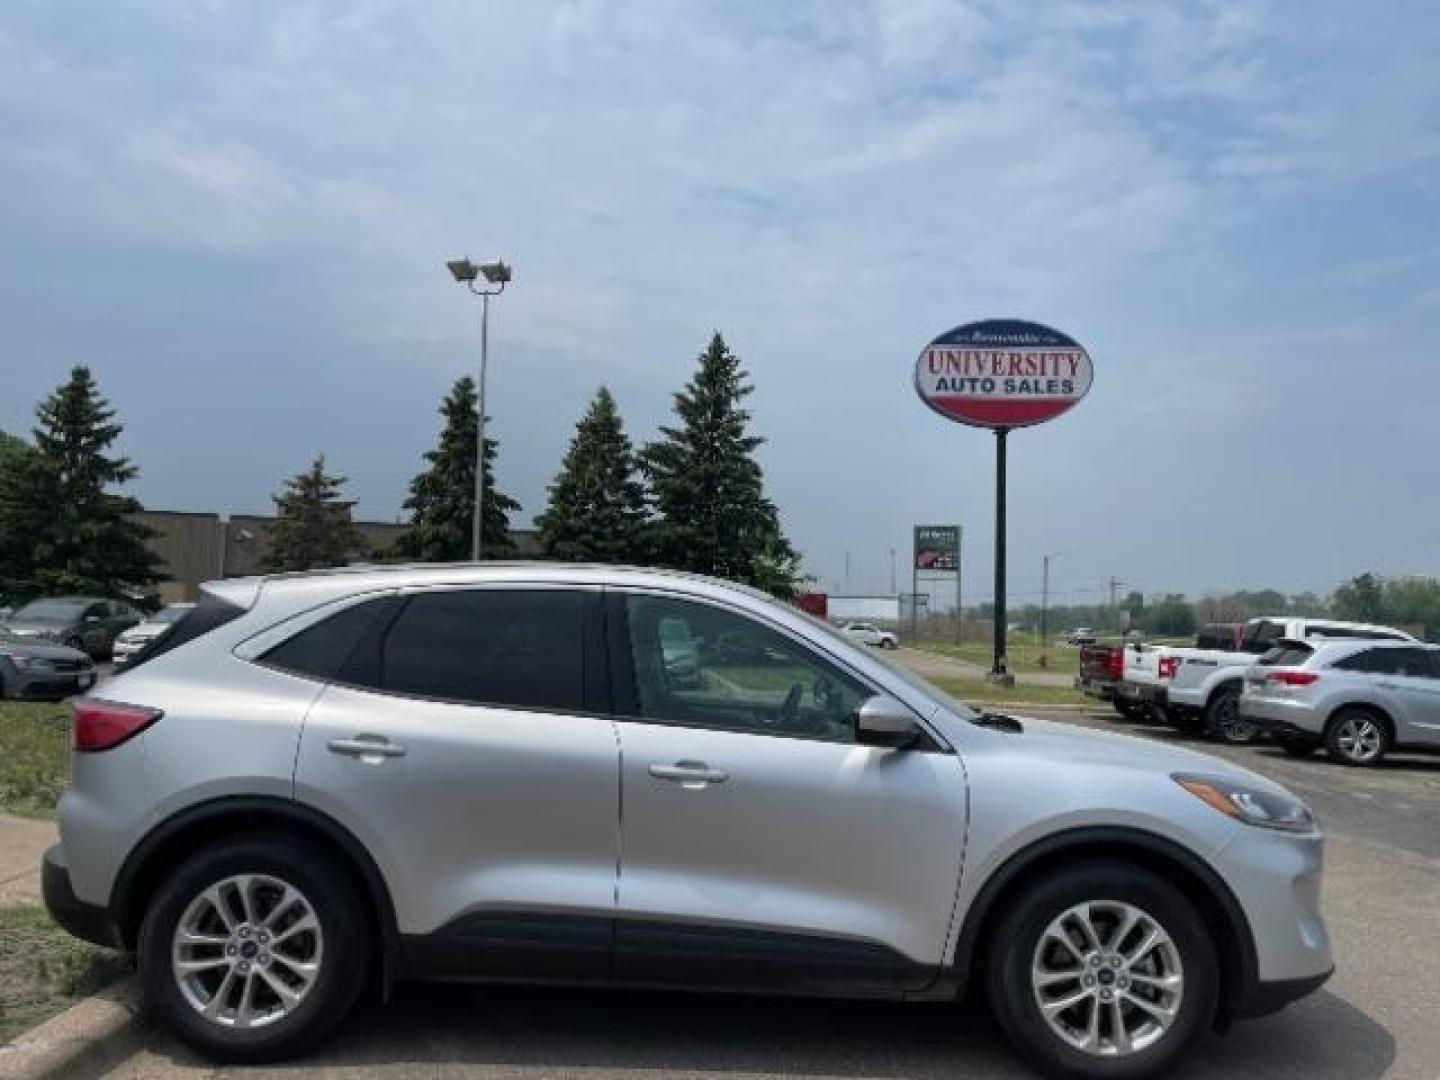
{"type": "Point", "coordinates": [85, 1040]}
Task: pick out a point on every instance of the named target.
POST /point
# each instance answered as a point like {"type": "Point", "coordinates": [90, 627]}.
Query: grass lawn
{"type": "Point", "coordinates": [43, 970]}
{"type": "Point", "coordinates": [34, 756]}
{"type": "Point", "coordinates": [1022, 656]}
{"type": "Point", "coordinates": [973, 690]}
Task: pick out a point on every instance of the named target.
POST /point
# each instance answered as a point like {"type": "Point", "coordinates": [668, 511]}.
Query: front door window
{"type": "Point", "coordinates": [704, 666]}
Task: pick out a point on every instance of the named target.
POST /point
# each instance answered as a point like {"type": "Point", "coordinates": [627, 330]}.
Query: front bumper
{"type": "Point", "coordinates": [1270, 997]}
{"type": "Point", "coordinates": [89, 922]}
{"type": "Point", "coordinates": [1275, 878]}
{"type": "Point", "coordinates": [1142, 693]}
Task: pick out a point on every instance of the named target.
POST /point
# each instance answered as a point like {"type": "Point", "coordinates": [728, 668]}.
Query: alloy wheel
{"type": "Point", "coordinates": [1359, 738]}
{"type": "Point", "coordinates": [247, 951]}
{"type": "Point", "coordinates": [1107, 978]}
{"type": "Point", "coordinates": [1232, 726]}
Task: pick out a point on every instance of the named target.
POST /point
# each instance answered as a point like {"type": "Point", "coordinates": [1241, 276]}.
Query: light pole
{"type": "Point", "coordinates": [496, 273]}
{"type": "Point", "coordinates": [1045, 602]}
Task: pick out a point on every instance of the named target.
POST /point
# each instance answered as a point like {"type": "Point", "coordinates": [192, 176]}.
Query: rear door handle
{"type": "Point", "coordinates": [372, 749]}
{"type": "Point", "coordinates": [689, 773]}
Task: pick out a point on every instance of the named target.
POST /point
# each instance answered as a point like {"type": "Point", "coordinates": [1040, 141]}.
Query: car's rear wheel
{"type": "Point", "coordinates": [1223, 719]}
{"type": "Point", "coordinates": [1357, 737]}
{"type": "Point", "coordinates": [254, 950]}
{"type": "Point", "coordinates": [1104, 971]}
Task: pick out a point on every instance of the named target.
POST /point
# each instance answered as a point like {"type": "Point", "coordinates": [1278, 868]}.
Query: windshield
{"type": "Point", "coordinates": [51, 610]}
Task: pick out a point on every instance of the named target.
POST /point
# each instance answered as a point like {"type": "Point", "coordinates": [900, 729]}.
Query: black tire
{"type": "Point", "coordinates": [1297, 745]}
{"type": "Point", "coordinates": [1352, 720]}
{"type": "Point", "coordinates": [1125, 709]}
{"type": "Point", "coordinates": [346, 941]}
{"type": "Point", "coordinates": [1187, 721]}
{"type": "Point", "coordinates": [1223, 720]}
{"type": "Point", "coordinates": [1012, 995]}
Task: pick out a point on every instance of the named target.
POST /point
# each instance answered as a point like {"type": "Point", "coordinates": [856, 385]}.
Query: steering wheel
{"type": "Point", "coordinates": [790, 709]}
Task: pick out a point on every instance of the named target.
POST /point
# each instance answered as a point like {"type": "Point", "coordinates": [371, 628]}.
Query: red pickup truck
{"type": "Point", "coordinates": [1101, 668]}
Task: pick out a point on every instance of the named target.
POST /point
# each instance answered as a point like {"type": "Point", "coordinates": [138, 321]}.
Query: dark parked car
{"type": "Point", "coordinates": [88, 623]}
{"type": "Point", "coordinates": [41, 669]}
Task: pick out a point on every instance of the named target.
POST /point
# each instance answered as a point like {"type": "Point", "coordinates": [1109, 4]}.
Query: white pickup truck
{"type": "Point", "coordinates": [1198, 689]}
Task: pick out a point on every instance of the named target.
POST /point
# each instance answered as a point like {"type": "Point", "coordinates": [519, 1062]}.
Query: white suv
{"type": "Point", "coordinates": [1360, 699]}
{"type": "Point", "coordinates": [870, 634]}
{"type": "Point", "coordinates": [320, 782]}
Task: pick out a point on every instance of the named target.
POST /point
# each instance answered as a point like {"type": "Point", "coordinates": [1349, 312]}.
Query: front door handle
{"type": "Point", "coordinates": [689, 773]}
{"type": "Point", "coordinates": [371, 749]}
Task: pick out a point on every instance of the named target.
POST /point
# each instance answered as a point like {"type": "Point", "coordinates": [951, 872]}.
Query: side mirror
{"type": "Point", "coordinates": [883, 721]}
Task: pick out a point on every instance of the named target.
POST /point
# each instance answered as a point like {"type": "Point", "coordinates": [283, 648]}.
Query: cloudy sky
{"type": "Point", "coordinates": [237, 214]}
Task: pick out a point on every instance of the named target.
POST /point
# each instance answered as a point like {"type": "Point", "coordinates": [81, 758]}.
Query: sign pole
{"type": "Point", "coordinates": [914, 592]}
{"type": "Point", "coordinates": [998, 672]}
{"type": "Point", "coordinates": [959, 594]}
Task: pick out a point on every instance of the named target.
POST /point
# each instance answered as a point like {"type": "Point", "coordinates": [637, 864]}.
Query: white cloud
{"type": "Point", "coordinates": [829, 183]}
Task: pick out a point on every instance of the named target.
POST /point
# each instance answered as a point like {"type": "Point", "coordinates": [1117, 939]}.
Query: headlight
{"type": "Point", "coordinates": [1267, 809]}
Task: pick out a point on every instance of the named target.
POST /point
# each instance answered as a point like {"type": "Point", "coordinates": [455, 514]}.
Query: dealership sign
{"type": "Point", "coordinates": [1002, 373]}
{"type": "Point", "coordinates": [937, 547]}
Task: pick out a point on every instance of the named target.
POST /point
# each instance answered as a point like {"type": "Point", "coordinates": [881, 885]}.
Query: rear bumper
{"type": "Point", "coordinates": [1104, 689]}
{"type": "Point", "coordinates": [89, 922]}
{"type": "Point", "coordinates": [1277, 716]}
{"type": "Point", "coordinates": [1142, 693]}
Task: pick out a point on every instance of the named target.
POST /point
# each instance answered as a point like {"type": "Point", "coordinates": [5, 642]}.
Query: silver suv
{"type": "Point", "coordinates": [321, 782]}
{"type": "Point", "coordinates": [1359, 699]}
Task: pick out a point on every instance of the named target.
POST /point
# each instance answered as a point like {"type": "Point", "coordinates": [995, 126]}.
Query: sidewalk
{"type": "Point", "coordinates": [22, 843]}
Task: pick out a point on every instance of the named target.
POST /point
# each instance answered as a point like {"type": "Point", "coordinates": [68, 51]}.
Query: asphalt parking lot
{"type": "Point", "coordinates": [1377, 1017]}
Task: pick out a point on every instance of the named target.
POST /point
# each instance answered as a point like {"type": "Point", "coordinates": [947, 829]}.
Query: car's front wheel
{"type": "Point", "coordinates": [1104, 971]}
{"type": "Point", "coordinates": [254, 950]}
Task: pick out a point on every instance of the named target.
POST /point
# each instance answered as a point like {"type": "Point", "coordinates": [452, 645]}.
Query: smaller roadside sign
{"type": "Point", "coordinates": [937, 547]}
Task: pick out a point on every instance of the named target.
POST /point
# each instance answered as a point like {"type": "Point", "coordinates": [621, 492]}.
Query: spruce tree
{"type": "Point", "coordinates": [62, 528]}
{"type": "Point", "coordinates": [597, 503]}
{"type": "Point", "coordinates": [442, 497]}
{"type": "Point", "coordinates": [707, 486]}
{"type": "Point", "coordinates": [313, 527]}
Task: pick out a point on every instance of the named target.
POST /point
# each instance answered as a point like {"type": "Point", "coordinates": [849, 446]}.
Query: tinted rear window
{"type": "Point", "coordinates": [521, 648]}
{"type": "Point", "coordinates": [1412, 663]}
{"type": "Point", "coordinates": [1218, 637]}
{"type": "Point", "coordinates": [209, 614]}
{"type": "Point", "coordinates": [321, 650]}
{"type": "Point", "coordinates": [1261, 636]}
{"type": "Point", "coordinates": [1287, 656]}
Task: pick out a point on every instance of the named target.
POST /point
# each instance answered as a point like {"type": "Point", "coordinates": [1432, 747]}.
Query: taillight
{"type": "Point", "coordinates": [1292, 678]}
{"type": "Point", "coordinates": [1115, 663]}
{"type": "Point", "coordinates": [104, 725]}
{"type": "Point", "coordinates": [1168, 666]}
